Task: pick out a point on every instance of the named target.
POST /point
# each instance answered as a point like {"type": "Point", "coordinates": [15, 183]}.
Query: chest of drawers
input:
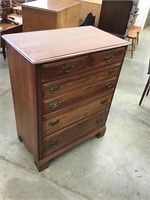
{"type": "Point", "coordinates": [62, 85]}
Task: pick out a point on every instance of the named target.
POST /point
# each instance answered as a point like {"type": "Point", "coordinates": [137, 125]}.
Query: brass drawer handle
{"type": "Point", "coordinates": [108, 58]}
{"type": "Point", "coordinates": [109, 85]}
{"type": "Point", "coordinates": [104, 101]}
{"type": "Point", "coordinates": [67, 68]}
{"type": "Point", "coordinates": [54, 89]}
{"type": "Point", "coordinates": [98, 121]}
{"type": "Point", "coordinates": [54, 104]}
{"type": "Point", "coordinates": [53, 145]}
{"type": "Point", "coordinates": [112, 71]}
{"type": "Point", "coordinates": [53, 123]}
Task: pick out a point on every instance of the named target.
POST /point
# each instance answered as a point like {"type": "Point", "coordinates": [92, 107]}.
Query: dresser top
{"type": "Point", "coordinates": [51, 5]}
{"type": "Point", "coordinates": [92, 1]}
{"type": "Point", "coordinates": [51, 45]}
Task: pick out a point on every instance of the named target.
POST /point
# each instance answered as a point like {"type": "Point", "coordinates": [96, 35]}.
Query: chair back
{"type": "Point", "coordinates": [89, 20]}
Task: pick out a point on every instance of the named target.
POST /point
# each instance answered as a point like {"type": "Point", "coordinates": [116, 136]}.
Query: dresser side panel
{"type": "Point", "coordinates": [23, 83]}
{"type": "Point", "coordinates": [40, 20]}
{"type": "Point", "coordinates": [61, 19]}
{"type": "Point", "coordinates": [73, 16]}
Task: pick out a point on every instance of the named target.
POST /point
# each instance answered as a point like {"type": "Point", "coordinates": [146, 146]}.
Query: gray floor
{"type": "Point", "coordinates": [114, 167]}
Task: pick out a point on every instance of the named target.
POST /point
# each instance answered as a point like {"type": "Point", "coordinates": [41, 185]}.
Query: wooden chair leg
{"type": "Point", "coordinates": [145, 90]}
{"type": "Point", "coordinates": [132, 49]}
{"type": "Point", "coordinates": [137, 38]}
{"type": "Point", "coordinates": [135, 43]}
{"type": "Point", "coordinates": [133, 46]}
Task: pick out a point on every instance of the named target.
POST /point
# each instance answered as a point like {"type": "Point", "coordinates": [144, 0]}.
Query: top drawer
{"type": "Point", "coordinates": [68, 67]}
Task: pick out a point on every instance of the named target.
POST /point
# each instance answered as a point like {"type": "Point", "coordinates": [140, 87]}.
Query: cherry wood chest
{"type": "Point", "coordinates": [63, 82]}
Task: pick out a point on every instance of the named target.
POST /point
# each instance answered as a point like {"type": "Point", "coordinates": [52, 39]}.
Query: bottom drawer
{"type": "Point", "coordinates": [72, 133]}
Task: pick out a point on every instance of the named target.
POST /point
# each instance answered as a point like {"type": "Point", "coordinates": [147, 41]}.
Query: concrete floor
{"type": "Point", "coordinates": [114, 167]}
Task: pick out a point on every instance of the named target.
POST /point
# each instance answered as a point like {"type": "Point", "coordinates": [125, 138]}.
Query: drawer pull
{"type": "Point", "coordinates": [53, 145]}
{"type": "Point", "coordinates": [54, 89]}
{"type": "Point", "coordinates": [112, 71]}
{"type": "Point", "coordinates": [67, 68]}
{"type": "Point", "coordinates": [108, 58]}
{"type": "Point", "coordinates": [98, 121]}
{"type": "Point", "coordinates": [54, 122]}
{"type": "Point", "coordinates": [54, 104]}
{"type": "Point", "coordinates": [104, 101]}
{"type": "Point", "coordinates": [109, 85]}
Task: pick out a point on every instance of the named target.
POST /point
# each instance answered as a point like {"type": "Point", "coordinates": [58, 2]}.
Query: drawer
{"type": "Point", "coordinates": [75, 96]}
{"type": "Point", "coordinates": [64, 68]}
{"type": "Point", "coordinates": [78, 83]}
{"type": "Point", "coordinates": [73, 133]}
{"type": "Point", "coordinates": [72, 114]}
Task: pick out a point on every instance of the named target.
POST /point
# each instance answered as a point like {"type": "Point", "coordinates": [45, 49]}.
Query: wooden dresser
{"type": "Point", "coordinates": [50, 14]}
{"type": "Point", "coordinates": [62, 86]}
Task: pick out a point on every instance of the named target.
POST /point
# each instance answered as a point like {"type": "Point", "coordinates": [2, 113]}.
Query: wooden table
{"type": "Point", "coordinates": [50, 14]}
{"type": "Point", "coordinates": [8, 28]}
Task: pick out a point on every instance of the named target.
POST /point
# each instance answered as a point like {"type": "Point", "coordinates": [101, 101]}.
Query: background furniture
{"type": "Point", "coordinates": [117, 16]}
{"type": "Point", "coordinates": [147, 86]}
{"type": "Point", "coordinates": [137, 30]}
{"type": "Point", "coordinates": [89, 20]}
{"type": "Point", "coordinates": [133, 35]}
{"type": "Point", "coordinates": [6, 5]}
{"type": "Point", "coordinates": [50, 14]}
{"type": "Point", "coordinates": [7, 28]}
{"type": "Point", "coordinates": [62, 85]}
{"type": "Point", "coordinates": [88, 6]}
{"type": "Point", "coordinates": [17, 10]}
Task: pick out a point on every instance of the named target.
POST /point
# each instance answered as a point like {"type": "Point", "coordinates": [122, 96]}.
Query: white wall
{"type": "Point", "coordinates": [144, 6]}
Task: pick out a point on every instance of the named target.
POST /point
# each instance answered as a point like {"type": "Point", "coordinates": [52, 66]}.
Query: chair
{"type": "Point", "coordinates": [133, 37]}
{"type": "Point", "coordinates": [133, 34]}
{"type": "Point", "coordinates": [136, 29]}
{"type": "Point", "coordinates": [147, 86]}
{"type": "Point", "coordinates": [89, 20]}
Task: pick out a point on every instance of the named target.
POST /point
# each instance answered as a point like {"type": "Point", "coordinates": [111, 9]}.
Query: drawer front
{"type": "Point", "coordinates": [76, 96]}
{"type": "Point", "coordinates": [78, 65]}
{"type": "Point", "coordinates": [60, 119]}
{"type": "Point", "coordinates": [71, 134]}
{"type": "Point", "coordinates": [79, 83]}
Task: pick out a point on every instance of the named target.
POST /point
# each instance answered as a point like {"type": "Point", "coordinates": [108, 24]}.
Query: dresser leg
{"type": "Point", "coordinates": [19, 138]}
{"type": "Point", "coordinates": [101, 133]}
{"type": "Point", "coordinates": [41, 167]}
{"type": "Point", "coordinates": [4, 52]}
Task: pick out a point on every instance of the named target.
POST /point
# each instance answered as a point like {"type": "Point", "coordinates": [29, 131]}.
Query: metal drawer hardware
{"type": "Point", "coordinates": [54, 89]}
{"type": "Point", "coordinates": [109, 85]}
{"type": "Point", "coordinates": [54, 104]}
{"type": "Point", "coordinates": [112, 71]}
{"type": "Point", "coordinates": [104, 101]}
{"type": "Point", "coordinates": [67, 68]}
{"type": "Point", "coordinates": [98, 121]}
{"type": "Point", "coordinates": [108, 58]}
{"type": "Point", "coordinates": [54, 122]}
{"type": "Point", "coordinates": [54, 144]}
